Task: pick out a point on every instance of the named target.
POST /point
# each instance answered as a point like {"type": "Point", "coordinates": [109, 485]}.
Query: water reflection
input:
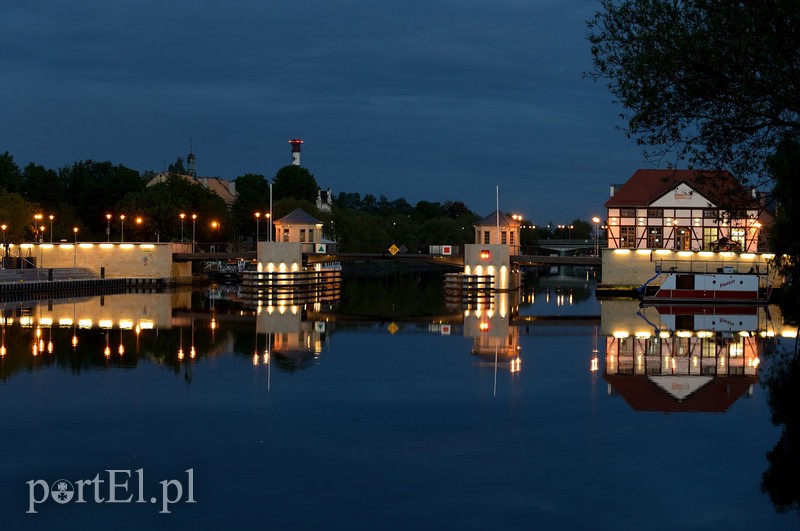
{"type": "Point", "coordinates": [685, 358]}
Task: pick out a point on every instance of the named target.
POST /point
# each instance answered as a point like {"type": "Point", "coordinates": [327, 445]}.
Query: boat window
{"type": "Point", "coordinates": [684, 282]}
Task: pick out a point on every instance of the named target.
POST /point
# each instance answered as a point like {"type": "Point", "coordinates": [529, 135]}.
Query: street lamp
{"type": "Point", "coordinates": [38, 218]}
{"type": "Point", "coordinates": [122, 231]}
{"type": "Point", "coordinates": [182, 216]}
{"type": "Point", "coordinates": [5, 247]}
{"type": "Point", "coordinates": [269, 232]}
{"type": "Point", "coordinates": [194, 223]}
{"type": "Point", "coordinates": [139, 225]}
{"type": "Point", "coordinates": [596, 221]}
{"type": "Point", "coordinates": [51, 227]}
{"type": "Point", "coordinates": [75, 258]}
{"type": "Point", "coordinates": [258, 218]}
{"type": "Point", "coordinates": [108, 228]}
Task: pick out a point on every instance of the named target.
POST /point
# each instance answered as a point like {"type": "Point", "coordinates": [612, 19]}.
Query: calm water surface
{"type": "Point", "coordinates": [387, 410]}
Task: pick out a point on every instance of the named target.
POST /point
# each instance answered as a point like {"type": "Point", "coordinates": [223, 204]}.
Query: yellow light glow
{"type": "Point", "coordinates": [46, 321]}
{"type": "Point", "coordinates": [622, 251]}
{"type": "Point", "coordinates": [664, 334]}
{"type": "Point", "coordinates": [747, 256]}
{"type": "Point", "coordinates": [126, 246]}
{"type": "Point", "coordinates": [26, 246]}
{"type": "Point", "coordinates": [620, 335]}
{"type": "Point", "coordinates": [85, 245]}
{"type": "Point", "coordinates": [106, 323]}
{"type": "Point", "coordinates": [47, 246]}
{"type": "Point", "coordinates": [26, 320]}
{"type": "Point", "coordinates": [126, 324]}
{"type": "Point", "coordinates": [789, 333]}
{"type": "Point", "coordinates": [106, 245]}
{"type": "Point", "coordinates": [147, 246]}
{"type": "Point", "coordinates": [65, 321]}
{"type": "Point", "coordinates": [727, 254]}
{"type": "Point", "coordinates": [704, 334]}
{"type": "Point", "coordinates": [642, 251]}
{"type": "Point", "coordinates": [705, 254]}
{"type": "Point", "coordinates": [85, 323]}
{"type": "Point", "coordinates": [643, 335]}
{"type": "Point", "coordinates": [66, 246]}
{"type": "Point", "coordinates": [663, 251]}
{"type": "Point", "coordinates": [744, 333]}
{"type": "Point", "coordinates": [683, 333]}
{"type": "Point", "coordinates": [685, 253]}
{"type": "Point", "coordinates": [768, 256]}
{"type": "Point", "coordinates": [146, 324]}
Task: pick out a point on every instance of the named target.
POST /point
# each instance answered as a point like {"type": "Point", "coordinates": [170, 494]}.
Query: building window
{"type": "Point", "coordinates": [302, 235]}
{"type": "Point", "coordinates": [711, 214]}
{"type": "Point", "coordinates": [627, 237]}
{"type": "Point", "coordinates": [286, 235]}
{"type": "Point", "coordinates": [710, 235]}
{"type": "Point", "coordinates": [511, 235]}
{"type": "Point", "coordinates": [654, 238]}
{"type": "Point", "coordinates": [486, 237]}
{"type": "Point", "coordinates": [655, 212]}
{"type": "Point", "coordinates": [683, 239]}
{"type": "Point", "coordinates": [503, 237]}
{"type": "Point", "coordinates": [627, 212]}
{"type": "Point", "coordinates": [737, 235]}
{"type": "Point", "coordinates": [311, 235]}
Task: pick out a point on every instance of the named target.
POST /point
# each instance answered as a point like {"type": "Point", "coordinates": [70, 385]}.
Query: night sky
{"type": "Point", "coordinates": [437, 100]}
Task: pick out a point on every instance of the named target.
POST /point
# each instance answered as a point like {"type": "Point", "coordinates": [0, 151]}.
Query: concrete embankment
{"type": "Point", "coordinates": [35, 283]}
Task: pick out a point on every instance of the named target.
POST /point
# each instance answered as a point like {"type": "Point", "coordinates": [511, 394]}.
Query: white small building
{"type": "Point", "coordinates": [298, 226]}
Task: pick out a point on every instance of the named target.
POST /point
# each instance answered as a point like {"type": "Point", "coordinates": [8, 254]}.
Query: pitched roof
{"type": "Point", "coordinates": [491, 221]}
{"type": "Point", "coordinates": [646, 186]}
{"type": "Point", "coordinates": [298, 216]}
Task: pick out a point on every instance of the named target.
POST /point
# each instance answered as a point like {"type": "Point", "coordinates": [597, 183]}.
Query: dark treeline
{"type": "Point", "coordinates": [83, 195]}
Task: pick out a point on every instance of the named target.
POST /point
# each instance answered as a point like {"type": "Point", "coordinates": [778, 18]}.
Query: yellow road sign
{"type": "Point", "coordinates": [394, 249]}
{"type": "Point", "coordinates": [393, 328]}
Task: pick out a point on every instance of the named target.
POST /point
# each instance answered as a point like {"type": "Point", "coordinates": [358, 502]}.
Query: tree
{"type": "Point", "coordinates": [295, 181]}
{"type": "Point", "coordinates": [17, 215]}
{"type": "Point", "coordinates": [252, 195]}
{"type": "Point", "coordinates": [10, 176]}
{"type": "Point", "coordinates": [711, 82]}
{"type": "Point", "coordinates": [43, 186]}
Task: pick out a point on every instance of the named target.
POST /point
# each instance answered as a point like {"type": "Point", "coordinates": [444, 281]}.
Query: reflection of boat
{"type": "Point", "coordinates": [729, 283]}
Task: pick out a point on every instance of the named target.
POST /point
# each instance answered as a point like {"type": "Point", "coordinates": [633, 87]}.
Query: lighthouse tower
{"type": "Point", "coordinates": [296, 143]}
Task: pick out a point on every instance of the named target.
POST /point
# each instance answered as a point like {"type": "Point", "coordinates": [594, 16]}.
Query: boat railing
{"type": "Point", "coordinates": [712, 266]}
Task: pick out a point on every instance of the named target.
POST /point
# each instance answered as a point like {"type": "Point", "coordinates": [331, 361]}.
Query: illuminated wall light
{"type": "Point", "coordinates": [747, 256]}
{"type": "Point", "coordinates": [664, 334]}
{"type": "Point", "coordinates": [192, 352]}
{"type": "Point", "coordinates": [703, 334]}
{"type": "Point", "coordinates": [622, 251]}
{"type": "Point", "coordinates": [147, 246]}
{"type": "Point", "coordinates": [66, 246]}
{"type": "Point", "coordinates": [26, 321]}
{"type": "Point", "coordinates": [685, 253]}
{"type": "Point", "coordinates": [106, 245]}
{"type": "Point", "coordinates": [65, 321]}
{"type": "Point", "coordinates": [47, 246]}
{"type": "Point", "coordinates": [180, 353]}
{"type": "Point", "coordinates": [126, 246]}
{"type": "Point", "coordinates": [126, 324]}
{"type": "Point", "coordinates": [85, 323]}
{"type": "Point", "coordinates": [46, 321]}
{"type": "Point", "coordinates": [146, 324]}
{"type": "Point", "coordinates": [107, 352]}
{"type": "Point", "coordinates": [705, 254]}
{"type": "Point", "coordinates": [642, 251]}
{"type": "Point", "coordinates": [663, 251]}
{"type": "Point", "coordinates": [727, 254]}
{"type": "Point", "coordinates": [683, 333]}
{"type": "Point", "coordinates": [643, 335]}
{"type": "Point", "coordinates": [768, 256]}
{"type": "Point", "coordinates": [789, 333]}
{"type": "Point", "coordinates": [483, 326]}
{"type": "Point", "coordinates": [620, 335]}
{"type": "Point", "coordinates": [26, 246]}
{"type": "Point", "coordinates": [85, 245]}
{"type": "Point", "coordinates": [105, 323]}
{"type": "Point", "coordinates": [744, 333]}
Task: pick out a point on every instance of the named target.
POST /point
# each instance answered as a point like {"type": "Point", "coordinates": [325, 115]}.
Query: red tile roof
{"type": "Point", "coordinates": [646, 186]}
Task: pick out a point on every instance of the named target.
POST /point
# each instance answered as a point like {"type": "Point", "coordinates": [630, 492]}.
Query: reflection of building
{"type": "Point", "coordinates": [682, 359]}
{"type": "Point", "coordinates": [291, 342]}
{"type": "Point", "coordinates": [494, 338]}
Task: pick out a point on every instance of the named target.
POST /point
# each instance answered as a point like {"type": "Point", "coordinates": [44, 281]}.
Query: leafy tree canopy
{"type": "Point", "coordinates": [10, 176]}
{"type": "Point", "coordinates": [295, 181]}
{"type": "Point", "coordinates": [710, 82]}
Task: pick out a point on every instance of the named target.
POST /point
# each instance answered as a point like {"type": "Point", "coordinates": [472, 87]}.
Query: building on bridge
{"type": "Point", "coordinates": [298, 226]}
{"type": "Point", "coordinates": [498, 229]}
{"type": "Point", "coordinates": [684, 210]}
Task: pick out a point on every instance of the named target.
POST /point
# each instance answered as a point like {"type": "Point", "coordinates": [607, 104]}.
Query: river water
{"type": "Point", "coordinates": [389, 408]}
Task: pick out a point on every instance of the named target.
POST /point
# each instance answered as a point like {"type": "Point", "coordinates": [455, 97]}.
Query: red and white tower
{"type": "Point", "coordinates": [296, 143]}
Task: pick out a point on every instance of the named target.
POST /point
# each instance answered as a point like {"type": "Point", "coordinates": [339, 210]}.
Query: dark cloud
{"type": "Point", "coordinates": [425, 100]}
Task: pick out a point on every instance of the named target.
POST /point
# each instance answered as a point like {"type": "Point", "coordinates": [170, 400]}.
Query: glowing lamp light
{"type": "Point", "coordinates": [485, 255]}
{"type": "Point", "coordinates": [484, 326]}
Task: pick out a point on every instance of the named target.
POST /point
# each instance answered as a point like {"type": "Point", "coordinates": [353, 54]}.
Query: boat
{"type": "Point", "coordinates": [687, 282]}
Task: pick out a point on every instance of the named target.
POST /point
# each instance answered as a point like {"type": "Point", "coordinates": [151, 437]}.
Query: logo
{"type": "Point", "coordinates": [62, 491]}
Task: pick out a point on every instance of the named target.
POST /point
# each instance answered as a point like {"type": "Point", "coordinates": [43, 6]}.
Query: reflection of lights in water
{"type": "Point", "coordinates": [192, 352]}
{"type": "Point", "coordinates": [516, 365]}
{"type": "Point", "coordinates": [484, 326]}
{"type": "Point", "coordinates": [180, 353]}
{"type": "Point", "coordinates": [595, 364]}
{"type": "Point", "coordinates": [255, 359]}
{"type": "Point", "coordinates": [35, 349]}
{"type": "Point", "coordinates": [74, 341]}
{"type": "Point", "coordinates": [266, 357]}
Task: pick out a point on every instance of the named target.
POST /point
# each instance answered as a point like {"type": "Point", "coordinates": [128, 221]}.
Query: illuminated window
{"type": "Point", "coordinates": [737, 235]}
{"type": "Point", "coordinates": [486, 237]}
{"type": "Point", "coordinates": [710, 235]}
{"type": "Point", "coordinates": [627, 212]}
{"type": "Point", "coordinates": [627, 237]}
{"type": "Point", "coordinates": [286, 235]}
{"type": "Point", "coordinates": [654, 238]}
{"type": "Point", "coordinates": [655, 212]}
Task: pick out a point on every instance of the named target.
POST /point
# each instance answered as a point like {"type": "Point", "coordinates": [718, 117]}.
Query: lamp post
{"type": "Point", "coordinates": [194, 224]}
{"type": "Point", "coordinates": [75, 258]}
{"type": "Point", "coordinates": [41, 257]}
{"type": "Point", "coordinates": [139, 226]}
{"type": "Point", "coordinates": [51, 227]}
{"type": "Point", "coordinates": [269, 232]}
{"type": "Point", "coordinates": [122, 231]}
{"type": "Point", "coordinates": [5, 247]}
{"type": "Point", "coordinates": [258, 218]}
{"type": "Point", "coordinates": [37, 218]}
{"type": "Point", "coordinates": [108, 228]}
{"type": "Point", "coordinates": [269, 216]}
{"type": "Point", "coordinates": [596, 221]}
{"type": "Point", "coordinates": [182, 216]}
